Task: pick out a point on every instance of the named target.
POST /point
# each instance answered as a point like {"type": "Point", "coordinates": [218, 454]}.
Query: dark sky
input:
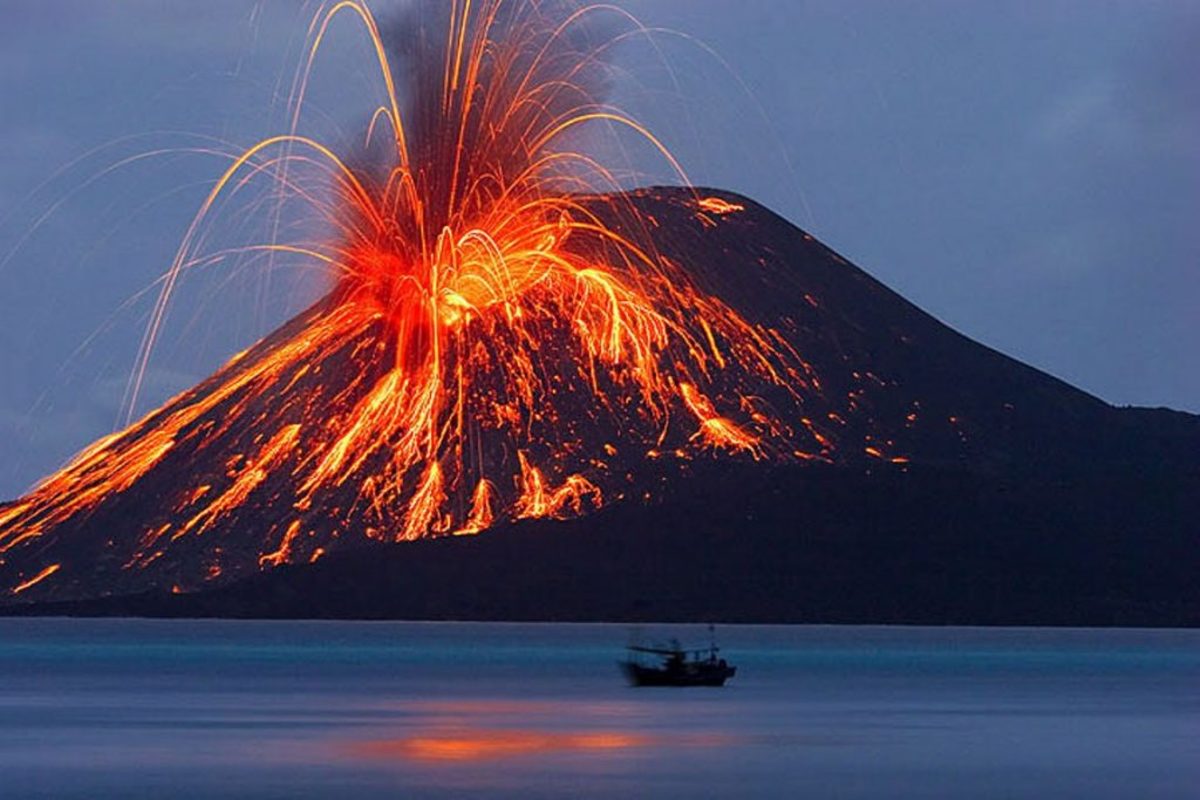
{"type": "Point", "coordinates": [1027, 172]}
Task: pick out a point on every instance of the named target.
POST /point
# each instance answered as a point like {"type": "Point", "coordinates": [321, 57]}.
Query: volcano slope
{"type": "Point", "coordinates": [925, 478]}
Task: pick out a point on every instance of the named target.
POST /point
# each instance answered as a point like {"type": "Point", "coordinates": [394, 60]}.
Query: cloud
{"type": "Point", "coordinates": [1145, 101]}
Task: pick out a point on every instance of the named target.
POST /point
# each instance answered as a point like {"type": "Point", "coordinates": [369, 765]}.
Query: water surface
{"type": "Point", "coordinates": [140, 708]}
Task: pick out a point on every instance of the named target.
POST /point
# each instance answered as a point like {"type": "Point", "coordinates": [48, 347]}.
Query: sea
{"type": "Point", "coordinates": [347, 710]}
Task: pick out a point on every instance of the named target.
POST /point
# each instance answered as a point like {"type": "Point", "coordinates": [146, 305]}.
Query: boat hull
{"type": "Point", "coordinates": [691, 675]}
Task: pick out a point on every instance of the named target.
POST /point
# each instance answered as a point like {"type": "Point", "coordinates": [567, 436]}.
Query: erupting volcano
{"type": "Point", "coordinates": [507, 334]}
{"type": "Point", "coordinates": [503, 337]}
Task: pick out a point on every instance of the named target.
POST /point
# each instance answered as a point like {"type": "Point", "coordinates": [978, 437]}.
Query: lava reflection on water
{"type": "Point", "coordinates": [486, 744]}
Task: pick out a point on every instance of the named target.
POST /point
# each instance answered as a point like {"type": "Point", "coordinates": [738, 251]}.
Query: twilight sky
{"type": "Point", "coordinates": [1028, 172]}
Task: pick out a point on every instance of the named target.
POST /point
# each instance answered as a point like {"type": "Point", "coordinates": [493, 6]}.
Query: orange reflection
{"type": "Point", "coordinates": [483, 745]}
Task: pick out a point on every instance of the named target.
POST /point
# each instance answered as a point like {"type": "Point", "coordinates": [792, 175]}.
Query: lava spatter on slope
{"type": "Point", "coordinates": [504, 338]}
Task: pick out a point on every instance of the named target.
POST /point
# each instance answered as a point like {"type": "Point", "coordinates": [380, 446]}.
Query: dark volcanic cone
{"type": "Point", "coordinates": [229, 492]}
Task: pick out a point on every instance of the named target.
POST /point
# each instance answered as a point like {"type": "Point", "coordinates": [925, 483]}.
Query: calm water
{"type": "Point", "coordinates": [133, 708]}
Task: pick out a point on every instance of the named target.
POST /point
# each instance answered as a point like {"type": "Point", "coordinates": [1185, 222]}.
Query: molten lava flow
{"type": "Point", "coordinates": [719, 206]}
{"type": "Point", "coordinates": [500, 326]}
{"type": "Point", "coordinates": [36, 579]}
{"type": "Point", "coordinates": [715, 430]}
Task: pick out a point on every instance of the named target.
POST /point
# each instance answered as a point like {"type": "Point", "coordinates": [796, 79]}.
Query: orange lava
{"type": "Point", "coordinates": [719, 206]}
{"type": "Point", "coordinates": [489, 306]}
{"type": "Point", "coordinates": [36, 579]}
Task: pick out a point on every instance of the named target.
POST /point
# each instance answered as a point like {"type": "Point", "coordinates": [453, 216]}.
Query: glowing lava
{"type": "Point", "coordinates": [501, 323]}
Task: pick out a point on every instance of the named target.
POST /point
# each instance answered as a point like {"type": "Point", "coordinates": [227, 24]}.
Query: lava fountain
{"type": "Point", "coordinates": [502, 338]}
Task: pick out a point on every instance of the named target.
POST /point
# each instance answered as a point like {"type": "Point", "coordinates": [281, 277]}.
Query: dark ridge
{"type": "Point", "coordinates": [925, 547]}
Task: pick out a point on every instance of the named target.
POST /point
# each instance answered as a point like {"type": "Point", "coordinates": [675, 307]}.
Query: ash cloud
{"type": "Point", "coordinates": [416, 41]}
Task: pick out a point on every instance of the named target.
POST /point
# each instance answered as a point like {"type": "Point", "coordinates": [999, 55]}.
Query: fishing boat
{"type": "Point", "coordinates": [676, 666]}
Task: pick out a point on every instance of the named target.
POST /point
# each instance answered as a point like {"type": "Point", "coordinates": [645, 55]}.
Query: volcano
{"type": "Point", "coordinates": [215, 488]}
